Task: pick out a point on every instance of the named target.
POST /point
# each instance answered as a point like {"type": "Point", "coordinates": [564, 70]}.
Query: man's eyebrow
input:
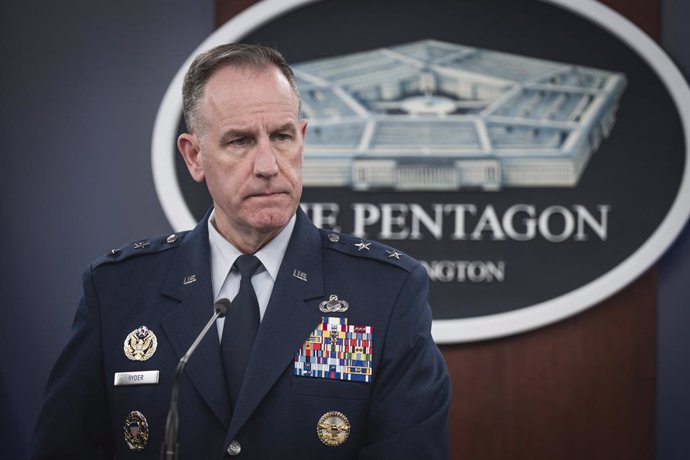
{"type": "Point", "coordinates": [289, 126]}
{"type": "Point", "coordinates": [234, 133]}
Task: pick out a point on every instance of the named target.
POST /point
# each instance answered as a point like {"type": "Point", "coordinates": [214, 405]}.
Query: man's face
{"type": "Point", "coordinates": [248, 148]}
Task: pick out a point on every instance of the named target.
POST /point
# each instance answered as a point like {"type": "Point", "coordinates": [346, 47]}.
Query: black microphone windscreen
{"type": "Point", "coordinates": [221, 307]}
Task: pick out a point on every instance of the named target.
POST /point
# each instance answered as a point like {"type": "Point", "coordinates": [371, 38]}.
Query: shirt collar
{"type": "Point", "coordinates": [224, 254]}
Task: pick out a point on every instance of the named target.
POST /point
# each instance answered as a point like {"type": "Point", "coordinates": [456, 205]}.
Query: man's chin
{"type": "Point", "coordinates": [271, 219]}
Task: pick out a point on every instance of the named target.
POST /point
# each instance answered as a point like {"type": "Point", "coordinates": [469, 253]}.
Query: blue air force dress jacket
{"type": "Point", "coordinates": [165, 285]}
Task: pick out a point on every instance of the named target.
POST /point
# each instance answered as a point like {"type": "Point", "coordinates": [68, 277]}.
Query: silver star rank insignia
{"type": "Point", "coordinates": [362, 245]}
{"type": "Point", "coordinates": [393, 254]}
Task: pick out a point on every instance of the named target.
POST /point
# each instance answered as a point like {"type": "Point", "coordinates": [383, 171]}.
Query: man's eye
{"type": "Point", "coordinates": [239, 141]}
{"type": "Point", "coordinates": [281, 137]}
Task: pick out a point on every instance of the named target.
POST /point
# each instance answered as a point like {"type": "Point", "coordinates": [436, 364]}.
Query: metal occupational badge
{"type": "Point", "coordinates": [333, 305]}
{"type": "Point", "coordinates": [140, 344]}
{"type": "Point", "coordinates": [136, 430]}
{"type": "Point", "coordinates": [333, 428]}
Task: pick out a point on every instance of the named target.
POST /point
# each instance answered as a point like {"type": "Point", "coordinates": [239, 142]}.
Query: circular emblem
{"type": "Point", "coordinates": [510, 165]}
{"type": "Point", "coordinates": [333, 305]}
{"type": "Point", "coordinates": [333, 428]}
{"type": "Point", "coordinates": [140, 344]}
{"type": "Point", "coordinates": [136, 430]}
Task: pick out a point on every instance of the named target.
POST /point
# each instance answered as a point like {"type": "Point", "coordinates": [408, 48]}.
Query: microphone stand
{"type": "Point", "coordinates": [170, 447]}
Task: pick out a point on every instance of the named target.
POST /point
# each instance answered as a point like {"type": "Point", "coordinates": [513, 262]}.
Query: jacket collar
{"type": "Point", "coordinates": [189, 283]}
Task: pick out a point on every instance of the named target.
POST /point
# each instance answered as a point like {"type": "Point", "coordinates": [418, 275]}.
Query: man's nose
{"type": "Point", "coordinates": [265, 164]}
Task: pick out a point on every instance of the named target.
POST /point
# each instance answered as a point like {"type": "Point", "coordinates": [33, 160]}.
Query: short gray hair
{"type": "Point", "coordinates": [239, 55]}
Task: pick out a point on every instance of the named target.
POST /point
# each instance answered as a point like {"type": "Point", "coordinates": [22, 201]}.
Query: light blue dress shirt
{"type": "Point", "coordinates": [226, 282]}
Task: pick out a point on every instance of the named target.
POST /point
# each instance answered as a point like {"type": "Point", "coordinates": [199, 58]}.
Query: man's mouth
{"type": "Point", "coordinates": [266, 194]}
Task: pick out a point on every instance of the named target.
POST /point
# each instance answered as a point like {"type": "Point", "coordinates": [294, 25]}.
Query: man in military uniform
{"type": "Point", "coordinates": [326, 349]}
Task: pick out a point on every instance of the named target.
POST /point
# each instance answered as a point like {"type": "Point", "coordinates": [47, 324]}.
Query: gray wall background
{"type": "Point", "coordinates": [81, 84]}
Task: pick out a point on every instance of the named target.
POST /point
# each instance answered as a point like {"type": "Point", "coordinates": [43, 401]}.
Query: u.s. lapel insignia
{"type": "Point", "coordinates": [333, 428]}
{"type": "Point", "coordinates": [333, 305]}
{"type": "Point", "coordinates": [140, 344]}
{"type": "Point", "coordinates": [300, 275]}
{"type": "Point", "coordinates": [136, 430]}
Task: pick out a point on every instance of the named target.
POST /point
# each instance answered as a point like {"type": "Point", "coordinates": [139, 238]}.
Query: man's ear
{"type": "Point", "coordinates": [190, 148]}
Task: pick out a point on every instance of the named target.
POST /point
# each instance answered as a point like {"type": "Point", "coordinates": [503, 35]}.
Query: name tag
{"type": "Point", "coordinates": [136, 378]}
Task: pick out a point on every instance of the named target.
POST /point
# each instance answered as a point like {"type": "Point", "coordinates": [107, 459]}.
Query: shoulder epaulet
{"type": "Point", "coordinates": [358, 247]}
{"type": "Point", "coordinates": [140, 248]}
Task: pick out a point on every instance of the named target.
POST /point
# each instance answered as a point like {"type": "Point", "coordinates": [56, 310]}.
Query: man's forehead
{"type": "Point", "coordinates": [231, 78]}
{"type": "Point", "coordinates": [249, 91]}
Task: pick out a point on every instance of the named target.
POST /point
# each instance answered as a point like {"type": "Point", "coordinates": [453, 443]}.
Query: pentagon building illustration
{"type": "Point", "coordinates": [431, 115]}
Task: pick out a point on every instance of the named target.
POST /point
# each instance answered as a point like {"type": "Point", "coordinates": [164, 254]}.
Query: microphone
{"type": "Point", "coordinates": [170, 447]}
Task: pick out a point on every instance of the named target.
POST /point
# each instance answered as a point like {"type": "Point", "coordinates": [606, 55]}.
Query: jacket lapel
{"type": "Point", "coordinates": [189, 282]}
{"type": "Point", "coordinates": [287, 322]}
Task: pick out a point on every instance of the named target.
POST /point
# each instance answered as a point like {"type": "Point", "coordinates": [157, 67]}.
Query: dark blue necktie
{"type": "Point", "coordinates": [241, 324]}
